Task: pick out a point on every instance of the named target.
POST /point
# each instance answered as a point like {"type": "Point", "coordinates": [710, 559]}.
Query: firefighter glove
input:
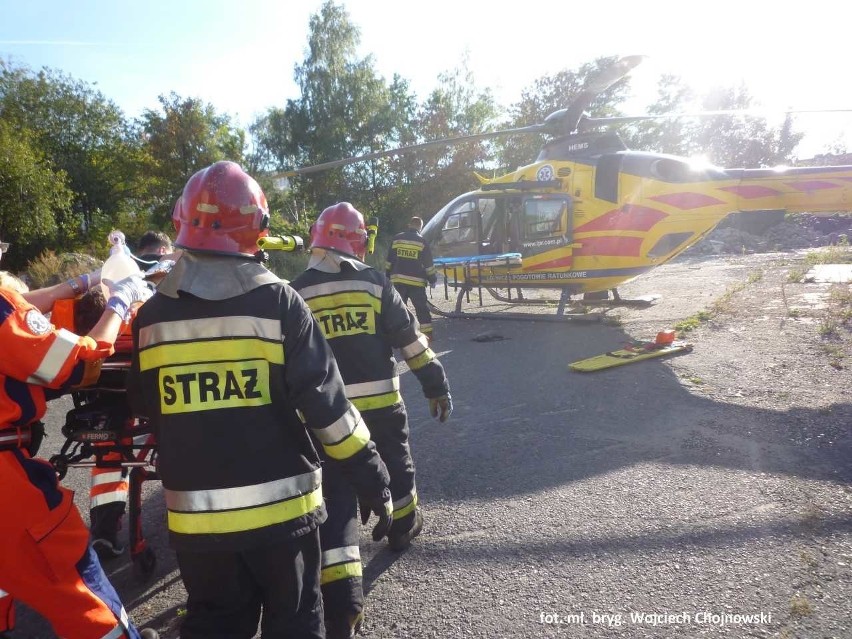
{"type": "Point", "coordinates": [129, 291]}
{"type": "Point", "coordinates": [441, 407]}
{"type": "Point", "coordinates": [383, 508]}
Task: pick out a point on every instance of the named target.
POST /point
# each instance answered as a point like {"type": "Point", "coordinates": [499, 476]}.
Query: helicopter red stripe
{"type": "Point", "coordinates": [812, 185]}
{"type": "Point", "coordinates": [630, 217]}
{"type": "Point", "coordinates": [613, 246]}
{"type": "Point", "coordinates": [551, 264]}
{"type": "Point", "coordinates": [687, 200]}
{"type": "Point", "coordinates": [751, 191]}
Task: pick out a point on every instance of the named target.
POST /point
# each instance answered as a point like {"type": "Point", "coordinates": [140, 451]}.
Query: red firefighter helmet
{"type": "Point", "coordinates": [222, 210]}
{"type": "Point", "coordinates": [341, 228]}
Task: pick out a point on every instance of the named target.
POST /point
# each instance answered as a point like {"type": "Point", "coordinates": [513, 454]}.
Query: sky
{"type": "Point", "coordinates": [240, 55]}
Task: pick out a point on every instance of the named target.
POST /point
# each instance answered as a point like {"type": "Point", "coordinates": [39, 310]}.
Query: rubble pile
{"type": "Point", "coordinates": [794, 232]}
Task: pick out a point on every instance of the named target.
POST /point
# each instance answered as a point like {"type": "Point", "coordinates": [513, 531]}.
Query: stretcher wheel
{"type": "Point", "coordinates": [144, 564]}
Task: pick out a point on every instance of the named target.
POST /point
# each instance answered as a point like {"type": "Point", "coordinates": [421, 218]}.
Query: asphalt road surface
{"type": "Point", "coordinates": [562, 504]}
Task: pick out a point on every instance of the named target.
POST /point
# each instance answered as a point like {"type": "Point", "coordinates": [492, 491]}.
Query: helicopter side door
{"type": "Point", "coordinates": [542, 223]}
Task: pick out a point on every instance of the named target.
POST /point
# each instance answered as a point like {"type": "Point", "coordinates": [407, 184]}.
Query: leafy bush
{"type": "Point", "coordinates": [49, 268]}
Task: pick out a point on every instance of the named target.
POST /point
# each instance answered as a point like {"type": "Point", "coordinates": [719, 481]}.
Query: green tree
{"type": "Point", "coordinates": [35, 203]}
{"type": "Point", "coordinates": [435, 175]}
{"type": "Point", "coordinates": [182, 137]}
{"type": "Point", "coordinates": [742, 140]}
{"type": "Point", "coordinates": [82, 133]}
{"type": "Point", "coordinates": [666, 135]}
{"type": "Point", "coordinates": [345, 109]}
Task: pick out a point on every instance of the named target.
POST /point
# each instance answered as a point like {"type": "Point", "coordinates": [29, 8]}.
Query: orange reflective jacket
{"type": "Point", "coordinates": [39, 362]}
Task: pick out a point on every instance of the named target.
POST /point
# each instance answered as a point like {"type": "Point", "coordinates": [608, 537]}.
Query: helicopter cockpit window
{"type": "Point", "coordinates": [543, 218]}
{"type": "Point", "coordinates": [460, 225]}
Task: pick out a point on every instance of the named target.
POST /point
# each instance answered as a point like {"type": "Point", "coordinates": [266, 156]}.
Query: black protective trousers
{"type": "Point", "coordinates": [417, 295]}
{"type": "Point", "coordinates": [389, 431]}
{"type": "Point", "coordinates": [228, 590]}
{"type": "Point", "coordinates": [342, 585]}
{"type": "Point", "coordinates": [342, 591]}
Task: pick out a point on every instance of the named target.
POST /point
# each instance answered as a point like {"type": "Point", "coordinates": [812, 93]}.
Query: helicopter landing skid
{"type": "Point", "coordinates": [560, 316]}
{"type": "Point", "coordinates": [643, 301]}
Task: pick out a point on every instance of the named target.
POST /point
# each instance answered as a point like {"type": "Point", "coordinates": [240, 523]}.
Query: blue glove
{"type": "Point", "coordinates": [126, 293]}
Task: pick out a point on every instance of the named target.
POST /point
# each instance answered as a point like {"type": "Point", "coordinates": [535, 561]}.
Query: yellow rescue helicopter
{"type": "Point", "coordinates": [588, 214]}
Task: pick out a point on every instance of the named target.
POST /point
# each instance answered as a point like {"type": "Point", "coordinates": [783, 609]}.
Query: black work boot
{"type": "Point", "coordinates": [401, 541]}
{"type": "Point", "coordinates": [345, 627]}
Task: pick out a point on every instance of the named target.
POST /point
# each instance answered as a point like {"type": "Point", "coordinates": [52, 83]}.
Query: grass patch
{"type": "Point", "coordinates": [808, 559]}
{"type": "Point", "coordinates": [692, 322]}
{"type": "Point", "coordinates": [723, 305]}
{"type": "Point", "coordinates": [838, 312]}
{"type": "Point", "coordinates": [840, 253]}
{"type": "Point", "coordinates": [49, 268]}
{"type": "Point", "coordinates": [800, 606]}
{"type": "Point", "coordinates": [797, 274]}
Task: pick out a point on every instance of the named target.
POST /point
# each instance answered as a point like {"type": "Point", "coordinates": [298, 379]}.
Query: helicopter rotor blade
{"type": "Point", "coordinates": [567, 121]}
{"type": "Point", "coordinates": [561, 122]}
{"type": "Point", "coordinates": [316, 168]}
{"type": "Point", "coordinates": [587, 122]}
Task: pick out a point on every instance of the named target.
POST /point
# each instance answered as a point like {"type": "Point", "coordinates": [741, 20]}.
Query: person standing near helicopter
{"type": "Point", "coordinates": [231, 370]}
{"type": "Point", "coordinates": [364, 319]}
{"type": "Point", "coordinates": [409, 266]}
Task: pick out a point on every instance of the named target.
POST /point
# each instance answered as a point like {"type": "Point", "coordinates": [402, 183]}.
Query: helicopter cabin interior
{"type": "Point", "coordinates": [502, 225]}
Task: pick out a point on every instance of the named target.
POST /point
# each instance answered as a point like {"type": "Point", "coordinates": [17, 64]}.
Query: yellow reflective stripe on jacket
{"type": "Point", "coordinates": [407, 244]}
{"type": "Point", "coordinates": [243, 496]}
{"type": "Point", "coordinates": [210, 328]}
{"type": "Point", "coordinates": [344, 300]}
{"type": "Point", "coordinates": [421, 360]}
{"type": "Point", "coordinates": [340, 429]}
{"type": "Point", "coordinates": [373, 395]}
{"type": "Point", "coordinates": [229, 521]}
{"type": "Point", "coordinates": [211, 351]}
{"type": "Point", "coordinates": [407, 279]}
{"type": "Point", "coordinates": [340, 571]}
{"type": "Point", "coordinates": [352, 444]}
{"type": "Point", "coordinates": [401, 507]}
{"type": "Point", "coordinates": [377, 401]}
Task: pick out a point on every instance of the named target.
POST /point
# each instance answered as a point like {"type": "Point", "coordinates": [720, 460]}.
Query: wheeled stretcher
{"type": "Point", "coordinates": [101, 432]}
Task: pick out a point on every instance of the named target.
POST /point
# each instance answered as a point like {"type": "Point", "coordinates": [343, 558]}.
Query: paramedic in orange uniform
{"type": "Point", "coordinates": [46, 559]}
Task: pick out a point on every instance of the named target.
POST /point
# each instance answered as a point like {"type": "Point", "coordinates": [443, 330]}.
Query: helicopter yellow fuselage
{"type": "Point", "coordinates": [626, 215]}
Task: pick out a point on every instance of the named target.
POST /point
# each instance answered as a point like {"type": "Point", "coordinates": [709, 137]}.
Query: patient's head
{"type": "Point", "coordinates": [88, 310]}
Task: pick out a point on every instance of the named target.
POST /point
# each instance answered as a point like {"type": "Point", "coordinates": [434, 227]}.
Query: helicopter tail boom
{"type": "Point", "coordinates": [797, 190]}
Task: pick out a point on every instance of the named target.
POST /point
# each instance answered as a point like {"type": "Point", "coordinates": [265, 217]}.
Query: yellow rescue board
{"type": "Point", "coordinates": [628, 356]}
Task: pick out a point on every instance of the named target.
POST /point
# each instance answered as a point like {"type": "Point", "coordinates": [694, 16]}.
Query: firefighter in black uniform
{"type": "Point", "coordinates": [364, 319]}
{"type": "Point", "coordinates": [230, 368]}
{"type": "Point", "coordinates": [409, 266]}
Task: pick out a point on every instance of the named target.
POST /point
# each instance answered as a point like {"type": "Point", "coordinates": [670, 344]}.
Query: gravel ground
{"type": "Point", "coordinates": [649, 500]}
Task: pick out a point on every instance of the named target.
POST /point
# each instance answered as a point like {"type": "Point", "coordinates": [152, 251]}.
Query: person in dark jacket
{"type": "Point", "coordinates": [409, 266]}
{"type": "Point", "coordinates": [364, 319]}
{"type": "Point", "coordinates": [232, 371]}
